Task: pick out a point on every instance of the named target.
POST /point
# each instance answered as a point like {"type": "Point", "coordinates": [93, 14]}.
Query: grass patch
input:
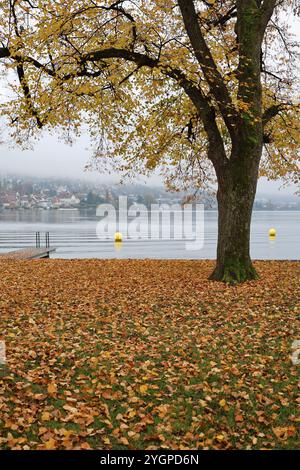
{"type": "Point", "coordinates": [147, 355]}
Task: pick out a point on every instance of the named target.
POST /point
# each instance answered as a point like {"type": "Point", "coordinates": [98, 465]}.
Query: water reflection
{"type": "Point", "coordinates": [73, 232]}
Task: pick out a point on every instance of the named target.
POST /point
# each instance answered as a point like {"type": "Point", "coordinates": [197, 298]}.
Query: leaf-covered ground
{"type": "Point", "coordinates": [147, 354]}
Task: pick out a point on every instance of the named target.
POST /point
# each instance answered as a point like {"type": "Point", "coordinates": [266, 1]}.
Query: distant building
{"type": "Point", "coordinates": [66, 202]}
{"type": "Point", "coordinates": [10, 200]}
{"type": "Point", "coordinates": [25, 203]}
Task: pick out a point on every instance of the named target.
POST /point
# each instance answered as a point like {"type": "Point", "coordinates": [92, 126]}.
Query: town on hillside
{"type": "Point", "coordinates": [25, 193]}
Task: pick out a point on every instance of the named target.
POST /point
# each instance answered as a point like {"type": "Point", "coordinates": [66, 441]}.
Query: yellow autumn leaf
{"type": "Point", "coordinates": [45, 416]}
{"type": "Point", "coordinates": [51, 444]}
{"type": "Point", "coordinates": [52, 388]}
{"type": "Point", "coordinates": [124, 440]}
{"type": "Point", "coordinates": [143, 389]}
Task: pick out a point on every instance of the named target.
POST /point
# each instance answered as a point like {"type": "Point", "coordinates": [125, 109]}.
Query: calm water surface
{"type": "Point", "coordinates": [73, 232]}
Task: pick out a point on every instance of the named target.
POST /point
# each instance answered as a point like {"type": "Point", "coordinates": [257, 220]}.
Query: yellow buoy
{"type": "Point", "coordinates": [272, 232]}
{"type": "Point", "coordinates": [118, 237]}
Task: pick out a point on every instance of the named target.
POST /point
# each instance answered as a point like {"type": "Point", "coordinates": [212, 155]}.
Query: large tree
{"type": "Point", "coordinates": [186, 86]}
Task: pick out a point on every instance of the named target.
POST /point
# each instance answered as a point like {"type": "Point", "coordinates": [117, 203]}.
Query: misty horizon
{"type": "Point", "coordinates": [52, 158]}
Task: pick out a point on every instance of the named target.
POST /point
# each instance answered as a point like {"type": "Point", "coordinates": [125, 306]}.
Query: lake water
{"type": "Point", "coordinates": [73, 233]}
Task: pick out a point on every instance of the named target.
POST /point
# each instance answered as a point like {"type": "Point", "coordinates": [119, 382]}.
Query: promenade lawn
{"type": "Point", "coordinates": [146, 354]}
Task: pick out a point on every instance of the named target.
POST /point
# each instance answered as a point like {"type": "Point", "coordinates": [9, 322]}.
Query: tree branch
{"type": "Point", "coordinates": [27, 94]}
{"type": "Point", "coordinates": [272, 112]}
{"type": "Point", "coordinates": [267, 9]}
{"type": "Point", "coordinates": [223, 19]}
{"type": "Point", "coordinates": [4, 52]}
{"type": "Point", "coordinates": [112, 52]}
{"type": "Point", "coordinates": [216, 150]}
{"type": "Point", "coordinates": [207, 64]}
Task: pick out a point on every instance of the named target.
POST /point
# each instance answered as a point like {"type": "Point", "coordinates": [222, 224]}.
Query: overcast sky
{"type": "Point", "coordinates": [51, 157]}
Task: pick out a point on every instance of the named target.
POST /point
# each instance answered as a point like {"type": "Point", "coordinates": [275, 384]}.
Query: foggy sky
{"type": "Point", "coordinates": [51, 157]}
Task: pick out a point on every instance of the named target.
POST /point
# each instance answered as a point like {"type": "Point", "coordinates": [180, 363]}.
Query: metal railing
{"type": "Point", "coordinates": [38, 239]}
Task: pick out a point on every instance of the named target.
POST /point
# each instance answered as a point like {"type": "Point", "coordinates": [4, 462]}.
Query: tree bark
{"type": "Point", "coordinates": [236, 194]}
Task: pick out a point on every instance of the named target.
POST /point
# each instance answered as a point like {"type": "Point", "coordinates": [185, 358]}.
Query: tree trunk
{"type": "Point", "coordinates": [236, 193]}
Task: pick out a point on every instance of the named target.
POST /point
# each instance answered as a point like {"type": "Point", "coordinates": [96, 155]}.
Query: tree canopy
{"type": "Point", "coordinates": [160, 84]}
